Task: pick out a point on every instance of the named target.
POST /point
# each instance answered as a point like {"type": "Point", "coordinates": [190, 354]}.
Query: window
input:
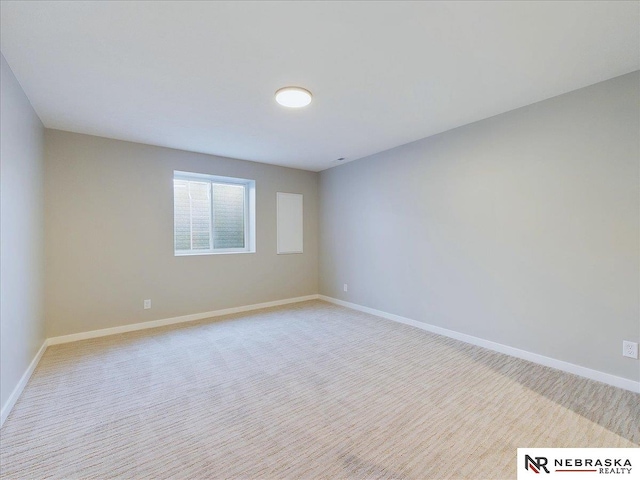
{"type": "Point", "coordinates": [213, 214]}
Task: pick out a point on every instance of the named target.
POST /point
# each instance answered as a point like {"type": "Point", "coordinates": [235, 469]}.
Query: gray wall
{"type": "Point", "coordinates": [21, 238]}
{"type": "Point", "coordinates": [109, 232]}
{"type": "Point", "coordinates": [522, 229]}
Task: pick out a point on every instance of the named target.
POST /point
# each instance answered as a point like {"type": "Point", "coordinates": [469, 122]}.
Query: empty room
{"type": "Point", "coordinates": [319, 239]}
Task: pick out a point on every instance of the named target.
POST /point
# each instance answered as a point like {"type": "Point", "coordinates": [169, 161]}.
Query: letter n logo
{"type": "Point", "coordinates": [536, 465]}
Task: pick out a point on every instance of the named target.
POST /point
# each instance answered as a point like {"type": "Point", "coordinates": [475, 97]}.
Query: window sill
{"type": "Point", "coordinates": [194, 254]}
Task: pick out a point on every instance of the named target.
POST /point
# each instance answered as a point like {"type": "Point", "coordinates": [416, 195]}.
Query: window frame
{"type": "Point", "coordinates": [249, 213]}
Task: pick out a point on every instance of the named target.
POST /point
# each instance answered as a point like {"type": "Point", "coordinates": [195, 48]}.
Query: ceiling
{"type": "Point", "coordinates": [201, 76]}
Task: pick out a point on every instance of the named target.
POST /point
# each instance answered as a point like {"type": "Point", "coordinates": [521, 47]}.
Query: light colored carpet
{"type": "Point", "coordinates": [304, 391]}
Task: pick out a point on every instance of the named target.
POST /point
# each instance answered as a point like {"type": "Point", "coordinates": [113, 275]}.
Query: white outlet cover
{"type": "Point", "coordinates": [630, 349]}
{"type": "Point", "coordinates": [147, 304]}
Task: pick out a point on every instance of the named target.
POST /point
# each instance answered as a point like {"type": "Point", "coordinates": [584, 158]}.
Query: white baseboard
{"type": "Point", "coordinates": [13, 398]}
{"type": "Point", "coordinates": [498, 347]}
{"type": "Point", "coordinates": [74, 337]}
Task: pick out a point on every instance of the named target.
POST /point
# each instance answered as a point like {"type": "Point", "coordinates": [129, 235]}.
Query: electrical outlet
{"type": "Point", "coordinates": [345, 287]}
{"type": "Point", "coordinates": [147, 304]}
{"type": "Point", "coordinates": [630, 349]}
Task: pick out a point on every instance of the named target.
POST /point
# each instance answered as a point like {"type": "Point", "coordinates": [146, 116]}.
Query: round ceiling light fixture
{"type": "Point", "coordinates": [293, 97]}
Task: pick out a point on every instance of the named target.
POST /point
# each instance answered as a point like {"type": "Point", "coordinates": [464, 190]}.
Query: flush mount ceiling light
{"type": "Point", "coordinates": [293, 97]}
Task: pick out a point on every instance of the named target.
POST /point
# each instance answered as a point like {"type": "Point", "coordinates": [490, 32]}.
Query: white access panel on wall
{"type": "Point", "coordinates": [289, 212]}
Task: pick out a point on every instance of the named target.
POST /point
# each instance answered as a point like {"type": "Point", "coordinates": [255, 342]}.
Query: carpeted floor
{"type": "Point", "coordinates": [309, 390]}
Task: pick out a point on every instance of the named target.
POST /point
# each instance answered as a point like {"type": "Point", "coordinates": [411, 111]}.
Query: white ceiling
{"type": "Point", "coordinates": [201, 76]}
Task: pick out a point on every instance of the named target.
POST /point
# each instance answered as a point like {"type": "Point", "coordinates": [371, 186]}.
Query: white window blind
{"type": "Point", "coordinates": [228, 215]}
{"type": "Point", "coordinates": [213, 214]}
